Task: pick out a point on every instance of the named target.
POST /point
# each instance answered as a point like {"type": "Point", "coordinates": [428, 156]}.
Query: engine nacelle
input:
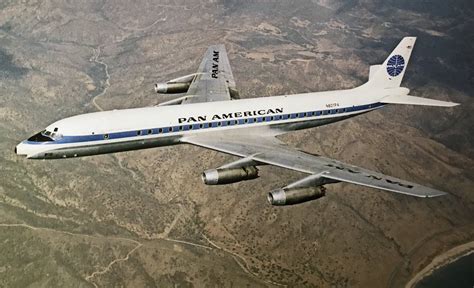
{"type": "Point", "coordinates": [177, 85]}
{"type": "Point", "coordinates": [282, 197]}
{"type": "Point", "coordinates": [230, 175]}
{"type": "Point", "coordinates": [172, 88]}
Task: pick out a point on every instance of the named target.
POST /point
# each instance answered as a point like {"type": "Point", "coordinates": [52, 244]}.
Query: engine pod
{"type": "Point", "coordinates": [171, 88]}
{"type": "Point", "coordinates": [230, 175]}
{"type": "Point", "coordinates": [281, 197]}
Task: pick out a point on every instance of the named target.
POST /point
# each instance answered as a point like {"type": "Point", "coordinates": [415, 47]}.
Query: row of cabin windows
{"type": "Point", "coordinates": [241, 121]}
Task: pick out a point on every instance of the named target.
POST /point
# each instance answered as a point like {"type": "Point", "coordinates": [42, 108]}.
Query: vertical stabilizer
{"type": "Point", "coordinates": [390, 73]}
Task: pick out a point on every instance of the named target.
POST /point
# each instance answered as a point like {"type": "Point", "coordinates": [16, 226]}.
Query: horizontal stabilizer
{"type": "Point", "coordinates": [413, 100]}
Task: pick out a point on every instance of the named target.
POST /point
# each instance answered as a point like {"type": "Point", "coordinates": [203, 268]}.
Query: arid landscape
{"type": "Point", "coordinates": [144, 218]}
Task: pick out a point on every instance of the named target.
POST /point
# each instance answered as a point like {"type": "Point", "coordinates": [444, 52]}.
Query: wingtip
{"type": "Point", "coordinates": [437, 194]}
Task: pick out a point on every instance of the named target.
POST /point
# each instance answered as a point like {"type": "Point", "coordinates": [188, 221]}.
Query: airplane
{"type": "Point", "coordinates": [211, 115]}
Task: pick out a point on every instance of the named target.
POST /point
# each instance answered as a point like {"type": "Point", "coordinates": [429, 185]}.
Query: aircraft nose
{"type": "Point", "coordinates": [20, 149]}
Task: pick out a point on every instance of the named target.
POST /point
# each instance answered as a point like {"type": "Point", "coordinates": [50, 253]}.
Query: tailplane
{"type": "Point", "coordinates": [390, 73]}
{"type": "Point", "coordinates": [413, 100]}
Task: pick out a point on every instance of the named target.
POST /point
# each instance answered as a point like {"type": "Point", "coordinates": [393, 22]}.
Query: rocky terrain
{"type": "Point", "coordinates": [144, 219]}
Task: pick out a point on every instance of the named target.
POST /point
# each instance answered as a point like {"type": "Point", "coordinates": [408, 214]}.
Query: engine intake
{"type": "Point", "coordinates": [172, 88]}
{"type": "Point", "coordinates": [281, 197]}
{"type": "Point", "coordinates": [230, 175]}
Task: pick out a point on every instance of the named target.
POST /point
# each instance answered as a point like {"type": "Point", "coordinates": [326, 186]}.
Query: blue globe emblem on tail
{"type": "Point", "coordinates": [395, 65]}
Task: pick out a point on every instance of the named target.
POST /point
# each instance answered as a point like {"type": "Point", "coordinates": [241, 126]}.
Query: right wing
{"type": "Point", "coordinates": [265, 149]}
{"type": "Point", "coordinates": [214, 80]}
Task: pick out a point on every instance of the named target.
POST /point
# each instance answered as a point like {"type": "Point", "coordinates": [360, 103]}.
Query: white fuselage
{"type": "Point", "coordinates": [130, 129]}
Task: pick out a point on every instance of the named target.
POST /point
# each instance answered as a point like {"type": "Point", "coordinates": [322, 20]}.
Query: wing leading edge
{"type": "Point", "coordinates": [269, 150]}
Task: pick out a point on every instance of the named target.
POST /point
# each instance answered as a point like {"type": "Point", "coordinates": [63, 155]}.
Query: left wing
{"type": "Point", "coordinates": [269, 150]}
{"type": "Point", "coordinates": [214, 80]}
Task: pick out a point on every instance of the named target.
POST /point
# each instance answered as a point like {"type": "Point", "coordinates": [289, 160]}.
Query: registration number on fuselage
{"type": "Point", "coordinates": [332, 105]}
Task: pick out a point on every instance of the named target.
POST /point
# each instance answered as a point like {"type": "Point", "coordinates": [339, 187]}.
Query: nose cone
{"type": "Point", "coordinates": [19, 149]}
{"type": "Point", "coordinates": [22, 149]}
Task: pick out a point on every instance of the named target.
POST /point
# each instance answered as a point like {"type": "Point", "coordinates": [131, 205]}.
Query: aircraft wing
{"type": "Point", "coordinates": [269, 150]}
{"type": "Point", "coordinates": [214, 79]}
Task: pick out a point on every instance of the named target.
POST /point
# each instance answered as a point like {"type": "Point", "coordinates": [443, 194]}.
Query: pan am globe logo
{"type": "Point", "coordinates": [395, 65]}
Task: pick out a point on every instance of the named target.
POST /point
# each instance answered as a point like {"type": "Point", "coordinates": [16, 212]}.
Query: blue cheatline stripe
{"type": "Point", "coordinates": [206, 125]}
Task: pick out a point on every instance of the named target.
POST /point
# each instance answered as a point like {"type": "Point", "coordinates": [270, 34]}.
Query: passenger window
{"type": "Point", "coordinates": [139, 132]}
{"type": "Point", "coordinates": [180, 128]}
{"type": "Point", "coordinates": [160, 130]}
{"type": "Point", "coordinates": [106, 136]}
{"type": "Point", "coordinates": [150, 131]}
{"type": "Point", "coordinates": [201, 126]}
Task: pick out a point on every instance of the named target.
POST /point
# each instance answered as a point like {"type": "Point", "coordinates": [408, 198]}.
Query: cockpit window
{"type": "Point", "coordinates": [43, 136]}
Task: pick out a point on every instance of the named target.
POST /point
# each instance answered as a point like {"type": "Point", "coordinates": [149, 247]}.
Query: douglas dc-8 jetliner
{"type": "Point", "coordinates": [211, 116]}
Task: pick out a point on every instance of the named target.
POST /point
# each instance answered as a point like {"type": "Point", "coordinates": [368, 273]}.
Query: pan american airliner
{"type": "Point", "coordinates": [211, 115]}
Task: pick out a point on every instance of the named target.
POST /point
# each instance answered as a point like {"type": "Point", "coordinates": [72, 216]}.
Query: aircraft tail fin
{"type": "Point", "coordinates": [413, 100]}
{"type": "Point", "coordinates": [390, 73]}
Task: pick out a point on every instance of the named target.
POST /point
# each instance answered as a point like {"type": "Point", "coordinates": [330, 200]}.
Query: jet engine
{"type": "Point", "coordinates": [171, 88]}
{"type": "Point", "coordinates": [178, 85]}
{"type": "Point", "coordinates": [229, 175]}
{"type": "Point", "coordinates": [285, 196]}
